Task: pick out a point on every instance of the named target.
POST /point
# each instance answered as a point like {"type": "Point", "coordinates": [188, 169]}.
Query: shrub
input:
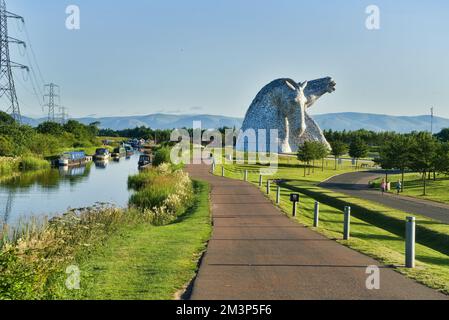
{"type": "Point", "coordinates": [162, 192]}
{"type": "Point", "coordinates": [161, 156]}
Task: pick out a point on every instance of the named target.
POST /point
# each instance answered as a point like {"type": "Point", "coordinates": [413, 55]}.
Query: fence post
{"type": "Point", "coordinates": [410, 242]}
{"type": "Point", "coordinates": [347, 224]}
{"type": "Point", "coordinates": [222, 171]}
{"type": "Point", "coordinates": [246, 175]}
{"type": "Point", "coordinates": [268, 187]}
{"type": "Point", "coordinates": [316, 217]}
{"type": "Point", "coordinates": [278, 195]}
{"type": "Point", "coordinates": [260, 181]}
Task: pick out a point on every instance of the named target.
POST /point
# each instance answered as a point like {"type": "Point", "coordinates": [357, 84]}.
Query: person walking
{"type": "Point", "coordinates": [383, 186]}
{"type": "Point", "coordinates": [399, 187]}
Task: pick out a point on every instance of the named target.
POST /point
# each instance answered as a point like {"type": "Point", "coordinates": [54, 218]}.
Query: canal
{"type": "Point", "coordinates": [52, 192]}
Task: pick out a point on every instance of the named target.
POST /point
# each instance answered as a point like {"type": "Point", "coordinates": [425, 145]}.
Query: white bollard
{"type": "Point", "coordinates": [222, 171]}
{"type": "Point", "coordinates": [246, 175]}
{"type": "Point", "coordinates": [410, 235]}
{"type": "Point", "coordinates": [316, 216]}
{"type": "Point", "coordinates": [260, 181]}
{"type": "Point", "coordinates": [278, 195]}
{"type": "Point", "coordinates": [347, 224]}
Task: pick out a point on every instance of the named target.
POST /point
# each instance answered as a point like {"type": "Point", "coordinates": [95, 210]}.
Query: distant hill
{"type": "Point", "coordinates": [379, 122]}
{"type": "Point", "coordinates": [334, 121]}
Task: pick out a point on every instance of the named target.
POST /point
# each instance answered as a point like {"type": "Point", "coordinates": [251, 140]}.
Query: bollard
{"type": "Point", "coordinates": [278, 195]}
{"type": "Point", "coordinates": [246, 175]}
{"type": "Point", "coordinates": [268, 187]}
{"type": "Point", "coordinates": [213, 168]}
{"type": "Point", "coordinates": [260, 181]}
{"type": "Point", "coordinates": [222, 171]}
{"type": "Point", "coordinates": [410, 242]}
{"type": "Point", "coordinates": [295, 205]}
{"type": "Point", "coordinates": [316, 217]}
{"type": "Point", "coordinates": [347, 224]}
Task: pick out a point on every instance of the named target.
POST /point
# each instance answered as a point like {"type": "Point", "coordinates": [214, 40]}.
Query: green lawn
{"type": "Point", "coordinates": [413, 186]}
{"type": "Point", "coordinates": [147, 262]}
{"type": "Point", "coordinates": [376, 230]}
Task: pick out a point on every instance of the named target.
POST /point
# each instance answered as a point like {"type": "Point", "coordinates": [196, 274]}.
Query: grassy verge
{"type": "Point", "coordinates": [149, 262]}
{"type": "Point", "coordinates": [162, 242]}
{"type": "Point", "coordinates": [413, 187]}
{"type": "Point", "coordinates": [376, 231]}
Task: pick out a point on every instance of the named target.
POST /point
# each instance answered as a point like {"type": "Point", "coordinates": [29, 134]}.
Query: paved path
{"type": "Point", "coordinates": [258, 253]}
{"type": "Point", "coordinates": [356, 184]}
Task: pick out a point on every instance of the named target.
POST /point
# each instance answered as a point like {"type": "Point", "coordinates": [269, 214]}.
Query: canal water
{"type": "Point", "coordinates": [53, 192]}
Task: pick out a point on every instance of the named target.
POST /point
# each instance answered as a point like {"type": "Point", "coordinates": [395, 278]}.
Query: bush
{"type": "Point", "coordinates": [161, 192]}
{"type": "Point", "coordinates": [161, 156]}
{"type": "Point", "coordinates": [6, 147]}
{"type": "Point", "coordinates": [8, 165]}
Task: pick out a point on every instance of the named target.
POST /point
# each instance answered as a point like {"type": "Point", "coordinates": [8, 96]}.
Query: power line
{"type": "Point", "coordinates": [7, 85]}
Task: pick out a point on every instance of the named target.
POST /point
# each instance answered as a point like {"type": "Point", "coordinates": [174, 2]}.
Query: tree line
{"type": "Point", "coordinates": [47, 139]}
{"type": "Point", "coordinates": [142, 132]}
{"type": "Point", "coordinates": [419, 152]}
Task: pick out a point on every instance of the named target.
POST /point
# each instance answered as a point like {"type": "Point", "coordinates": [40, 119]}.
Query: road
{"type": "Point", "coordinates": [356, 184]}
{"type": "Point", "coordinates": [257, 253]}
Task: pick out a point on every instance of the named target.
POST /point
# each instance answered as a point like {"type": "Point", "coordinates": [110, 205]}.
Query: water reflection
{"type": "Point", "coordinates": [52, 192]}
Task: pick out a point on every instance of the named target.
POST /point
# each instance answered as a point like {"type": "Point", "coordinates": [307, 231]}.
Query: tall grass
{"type": "Point", "coordinates": [8, 165]}
{"type": "Point", "coordinates": [33, 256]}
{"type": "Point", "coordinates": [28, 163]}
{"type": "Point", "coordinates": [164, 192]}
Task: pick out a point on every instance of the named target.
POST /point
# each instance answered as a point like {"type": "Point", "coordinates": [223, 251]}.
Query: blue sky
{"type": "Point", "coordinates": [213, 56]}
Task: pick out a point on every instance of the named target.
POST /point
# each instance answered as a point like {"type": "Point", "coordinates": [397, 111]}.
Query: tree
{"type": "Point", "coordinates": [6, 119]}
{"type": "Point", "coordinates": [339, 148]}
{"type": "Point", "coordinates": [50, 127]}
{"type": "Point", "coordinates": [306, 153]}
{"type": "Point", "coordinates": [441, 159]}
{"type": "Point", "coordinates": [443, 135]}
{"type": "Point", "coordinates": [321, 152]}
{"type": "Point", "coordinates": [396, 154]}
{"type": "Point", "coordinates": [423, 153]}
{"type": "Point", "coordinates": [358, 149]}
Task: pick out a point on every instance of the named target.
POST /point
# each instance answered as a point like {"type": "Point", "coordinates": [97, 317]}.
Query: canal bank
{"type": "Point", "coordinates": [46, 193]}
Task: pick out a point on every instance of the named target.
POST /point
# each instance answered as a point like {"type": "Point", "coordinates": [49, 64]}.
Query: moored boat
{"type": "Point", "coordinates": [145, 161]}
{"type": "Point", "coordinates": [118, 153]}
{"type": "Point", "coordinates": [102, 154]}
{"type": "Point", "coordinates": [73, 158]}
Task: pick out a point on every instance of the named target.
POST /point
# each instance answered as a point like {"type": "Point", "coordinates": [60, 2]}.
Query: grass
{"type": "Point", "coordinates": [148, 262]}
{"type": "Point", "coordinates": [8, 166]}
{"type": "Point", "coordinates": [437, 190]}
{"type": "Point", "coordinates": [376, 231]}
{"type": "Point", "coordinates": [34, 256]}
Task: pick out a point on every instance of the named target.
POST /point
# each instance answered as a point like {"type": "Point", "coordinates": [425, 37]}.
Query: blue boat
{"type": "Point", "coordinates": [73, 158]}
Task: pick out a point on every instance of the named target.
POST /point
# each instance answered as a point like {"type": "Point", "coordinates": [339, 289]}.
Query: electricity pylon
{"type": "Point", "coordinates": [7, 86]}
{"type": "Point", "coordinates": [63, 116]}
{"type": "Point", "coordinates": [52, 93]}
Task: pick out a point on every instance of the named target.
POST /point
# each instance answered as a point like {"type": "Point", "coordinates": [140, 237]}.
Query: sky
{"type": "Point", "coordinates": [213, 56]}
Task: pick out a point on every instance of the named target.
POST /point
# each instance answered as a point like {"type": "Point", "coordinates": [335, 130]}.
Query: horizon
{"type": "Point", "coordinates": [184, 57]}
{"type": "Point", "coordinates": [222, 115]}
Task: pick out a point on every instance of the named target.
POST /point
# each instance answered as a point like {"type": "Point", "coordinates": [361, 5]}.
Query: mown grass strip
{"type": "Point", "coordinates": [148, 262]}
